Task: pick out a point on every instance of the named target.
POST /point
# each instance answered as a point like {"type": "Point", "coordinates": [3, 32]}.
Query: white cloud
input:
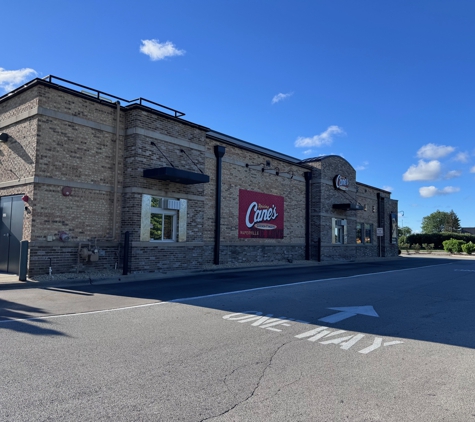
{"type": "Point", "coordinates": [472, 170]}
{"type": "Point", "coordinates": [325, 138]}
{"type": "Point", "coordinates": [452, 174]}
{"type": "Point", "coordinates": [388, 188]}
{"type": "Point", "coordinates": [280, 97]}
{"type": "Point", "coordinates": [10, 79]}
{"type": "Point", "coordinates": [159, 51]}
{"type": "Point", "coordinates": [423, 171]}
{"type": "Point", "coordinates": [462, 157]}
{"type": "Point", "coordinates": [432, 151]}
{"type": "Point", "coordinates": [364, 166]}
{"type": "Point", "coordinates": [430, 191]}
{"type": "Point", "coordinates": [308, 151]}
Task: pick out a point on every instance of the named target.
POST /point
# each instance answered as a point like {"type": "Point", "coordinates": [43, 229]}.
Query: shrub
{"type": "Point", "coordinates": [428, 247]}
{"type": "Point", "coordinates": [406, 247]}
{"type": "Point", "coordinates": [401, 241]}
{"type": "Point", "coordinates": [438, 238]}
{"type": "Point", "coordinates": [453, 245]}
{"type": "Point", "coordinates": [469, 248]}
{"type": "Point", "coordinates": [416, 247]}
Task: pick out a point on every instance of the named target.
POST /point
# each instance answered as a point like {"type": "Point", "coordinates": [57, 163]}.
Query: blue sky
{"type": "Point", "coordinates": [387, 85]}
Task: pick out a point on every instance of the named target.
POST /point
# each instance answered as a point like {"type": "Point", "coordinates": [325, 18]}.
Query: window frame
{"type": "Point", "coordinates": [339, 232]}
{"type": "Point", "coordinates": [364, 227]}
{"type": "Point", "coordinates": [360, 229]}
{"type": "Point", "coordinates": [164, 212]}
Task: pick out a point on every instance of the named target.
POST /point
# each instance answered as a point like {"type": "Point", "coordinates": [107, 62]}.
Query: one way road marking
{"type": "Point", "coordinates": [349, 312]}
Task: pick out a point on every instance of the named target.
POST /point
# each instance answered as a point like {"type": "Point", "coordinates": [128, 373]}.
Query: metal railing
{"type": "Point", "coordinates": [104, 96]}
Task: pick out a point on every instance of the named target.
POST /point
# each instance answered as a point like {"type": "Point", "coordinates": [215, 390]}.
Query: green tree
{"type": "Point", "coordinates": [441, 221]}
{"type": "Point", "coordinates": [404, 231]}
{"type": "Point", "coordinates": [452, 223]}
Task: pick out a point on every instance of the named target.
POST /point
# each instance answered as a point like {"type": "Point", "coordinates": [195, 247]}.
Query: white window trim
{"type": "Point", "coordinates": [179, 220]}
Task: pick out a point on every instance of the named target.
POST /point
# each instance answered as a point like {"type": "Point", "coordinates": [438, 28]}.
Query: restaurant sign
{"type": "Point", "coordinates": [261, 215]}
{"type": "Point", "coordinates": [341, 182]}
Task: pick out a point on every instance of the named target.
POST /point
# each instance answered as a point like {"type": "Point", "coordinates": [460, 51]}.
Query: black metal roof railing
{"type": "Point", "coordinates": [104, 96]}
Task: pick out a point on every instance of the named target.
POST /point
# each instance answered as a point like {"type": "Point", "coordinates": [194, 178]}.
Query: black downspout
{"type": "Point", "coordinates": [308, 177]}
{"type": "Point", "coordinates": [381, 211]}
{"type": "Point", "coordinates": [219, 153]}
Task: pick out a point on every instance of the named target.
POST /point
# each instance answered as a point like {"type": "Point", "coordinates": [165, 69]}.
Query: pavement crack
{"type": "Point", "coordinates": [258, 383]}
{"type": "Point", "coordinates": [282, 387]}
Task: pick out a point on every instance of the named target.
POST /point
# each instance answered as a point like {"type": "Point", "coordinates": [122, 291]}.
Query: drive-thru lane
{"type": "Point", "coordinates": [394, 345]}
{"type": "Point", "coordinates": [71, 297]}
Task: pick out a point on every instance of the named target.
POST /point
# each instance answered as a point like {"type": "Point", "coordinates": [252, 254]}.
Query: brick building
{"type": "Point", "coordinates": [79, 168]}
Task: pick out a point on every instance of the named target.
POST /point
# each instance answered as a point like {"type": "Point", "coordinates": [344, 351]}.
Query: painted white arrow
{"type": "Point", "coordinates": [349, 312]}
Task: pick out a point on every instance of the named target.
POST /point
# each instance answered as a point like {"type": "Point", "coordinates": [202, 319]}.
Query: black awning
{"type": "Point", "coordinates": [349, 207]}
{"type": "Point", "coordinates": [175, 175]}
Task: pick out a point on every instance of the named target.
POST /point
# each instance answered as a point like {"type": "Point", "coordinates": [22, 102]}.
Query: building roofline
{"type": "Point", "coordinates": [221, 137]}
{"type": "Point", "coordinates": [323, 157]}
{"type": "Point", "coordinates": [373, 187]}
{"type": "Point", "coordinates": [102, 99]}
{"type": "Point", "coordinates": [133, 104]}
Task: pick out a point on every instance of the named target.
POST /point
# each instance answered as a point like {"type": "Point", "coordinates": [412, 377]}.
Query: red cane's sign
{"type": "Point", "coordinates": [260, 215]}
{"type": "Point", "coordinates": [341, 182]}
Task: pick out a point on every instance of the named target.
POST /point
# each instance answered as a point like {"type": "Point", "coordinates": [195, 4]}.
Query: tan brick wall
{"type": "Point", "coordinates": [18, 154]}
{"type": "Point", "coordinates": [18, 104]}
{"type": "Point", "coordinates": [324, 195]}
{"type": "Point", "coordinates": [69, 151]}
{"type": "Point", "coordinates": [76, 145]}
{"type": "Point", "coordinates": [77, 106]}
{"type": "Point", "coordinates": [236, 176]}
{"type": "Point", "coordinates": [141, 155]}
{"type": "Point", "coordinates": [86, 214]}
{"type": "Point", "coordinates": [174, 127]}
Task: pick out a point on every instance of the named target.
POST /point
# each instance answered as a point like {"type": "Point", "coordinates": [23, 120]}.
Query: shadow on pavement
{"type": "Point", "coordinates": [18, 317]}
{"type": "Point", "coordinates": [425, 299]}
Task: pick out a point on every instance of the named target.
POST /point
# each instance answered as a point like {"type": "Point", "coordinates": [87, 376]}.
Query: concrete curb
{"type": "Point", "coordinates": [92, 279]}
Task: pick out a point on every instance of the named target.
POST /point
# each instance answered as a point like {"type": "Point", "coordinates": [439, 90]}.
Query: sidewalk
{"type": "Point", "coordinates": [10, 281]}
{"type": "Point", "coordinates": [436, 254]}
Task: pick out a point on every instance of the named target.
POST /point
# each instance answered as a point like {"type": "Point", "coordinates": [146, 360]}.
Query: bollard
{"type": "Point", "coordinates": [23, 260]}
{"type": "Point", "coordinates": [125, 269]}
{"type": "Point", "coordinates": [319, 249]}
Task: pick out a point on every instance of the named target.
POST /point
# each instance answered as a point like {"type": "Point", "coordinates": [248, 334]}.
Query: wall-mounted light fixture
{"type": "Point", "coordinates": [261, 165]}
{"type": "Point", "coordinates": [288, 172]}
{"type": "Point", "coordinates": [25, 199]}
{"type": "Point", "coordinates": [3, 137]}
{"type": "Point", "coordinates": [277, 171]}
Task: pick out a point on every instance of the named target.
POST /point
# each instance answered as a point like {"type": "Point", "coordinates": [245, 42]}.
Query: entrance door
{"type": "Point", "coordinates": [11, 232]}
